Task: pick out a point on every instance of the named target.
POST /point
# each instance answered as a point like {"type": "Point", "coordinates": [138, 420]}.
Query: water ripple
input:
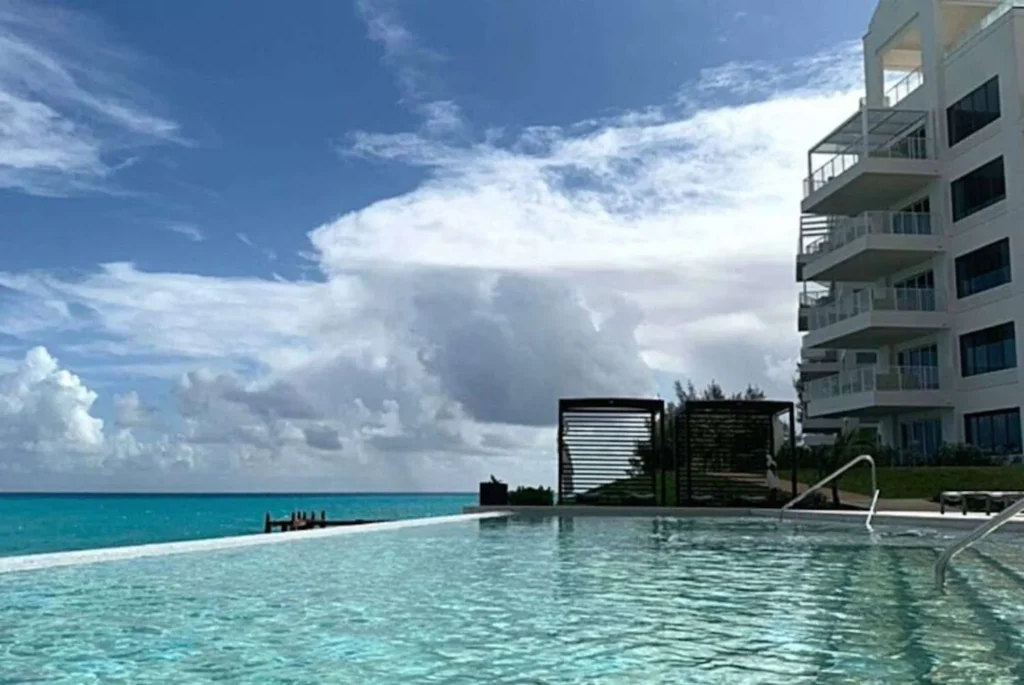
{"type": "Point", "coordinates": [590, 600]}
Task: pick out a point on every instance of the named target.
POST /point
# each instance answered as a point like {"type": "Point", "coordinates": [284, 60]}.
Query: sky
{"type": "Point", "coordinates": [366, 246]}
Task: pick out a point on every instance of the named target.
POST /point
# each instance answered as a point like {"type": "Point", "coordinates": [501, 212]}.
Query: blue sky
{"type": "Point", "coordinates": [328, 191]}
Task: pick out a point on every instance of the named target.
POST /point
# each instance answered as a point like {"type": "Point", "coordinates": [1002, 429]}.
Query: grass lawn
{"type": "Point", "coordinates": [642, 486]}
{"type": "Point", "coordinates": [907, 482]}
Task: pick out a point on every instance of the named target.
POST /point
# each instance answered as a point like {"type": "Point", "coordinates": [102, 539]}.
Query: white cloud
{"type": "Point", "coordinates": [45, 411]}
{"type": "Point", "coordinates": [68, 120]}
{"type": "Point", "coordinates": [411, 64]}
{"type": "Point", "coordinates": [190, 231]}
{"type": "Point", "coordinates": [129, 412]}
{"type": "Point", "coordinates": [532, 265]}
{"type": "Point", "coordinates": [402, 50]}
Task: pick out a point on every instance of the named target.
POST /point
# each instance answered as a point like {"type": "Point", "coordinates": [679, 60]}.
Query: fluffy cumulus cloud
{"type": "Point", "coordinates": [45, 411]}
{"type": "Point", "coordinates": [528, 266]}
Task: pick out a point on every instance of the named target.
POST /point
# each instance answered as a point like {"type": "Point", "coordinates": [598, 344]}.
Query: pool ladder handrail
{"type": "Point", "coordinates": [975, 536]}
{"type": "Point", "coordinates": [835, 474]}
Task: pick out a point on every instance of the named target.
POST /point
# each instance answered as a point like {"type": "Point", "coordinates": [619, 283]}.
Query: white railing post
{"type": "Point", "coordinates": [829, 478]}
{"type": "Point", "coordinates": [971, 538]}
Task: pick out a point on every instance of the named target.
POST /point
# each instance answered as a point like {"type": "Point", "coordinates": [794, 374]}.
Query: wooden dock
{"type": "Point", "coordinates": [302, 520]}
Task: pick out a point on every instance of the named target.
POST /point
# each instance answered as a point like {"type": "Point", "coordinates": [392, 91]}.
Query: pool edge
{"type": "Point", "coordinates": [907, 518]}
{"type": "Point", "coordinates": [46, 560]}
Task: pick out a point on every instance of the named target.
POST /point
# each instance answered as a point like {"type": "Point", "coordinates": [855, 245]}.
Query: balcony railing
{"type": "Point", "coordinates": [877, 300]}
{"type": "Point", "coordinates": [815, 298]}
{"type": "Point", "coordinates": [908, 147]}
{"type": "Point", "coordinates": [986, 21]}
{"type": "Point", "coordinates": [817, 356]}
{"type": "Point", "coordinates": [874, 379]}
{"type": "Point", "coordinates": [904, 87]}
{"type": "Point", "coordinates": [845, 230]}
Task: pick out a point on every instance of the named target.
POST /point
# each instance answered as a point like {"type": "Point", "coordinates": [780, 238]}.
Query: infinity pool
{"type": "Point", "coordinates": [541, 601]}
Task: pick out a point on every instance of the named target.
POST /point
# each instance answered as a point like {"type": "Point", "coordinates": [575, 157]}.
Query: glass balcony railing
{"type": "Point", "coordinates": [845, 230]}
{"type": "Point", "coordinates": [815, 298]}
{"type": "Point", "coordinates": [819, 356]}
{"type": "Point", "coordinates": [904, 87]}
{"type": "Point", "coordinates": [910, 147]}
{"type": "Point", "coordinates": [874, 379]}
{"type": "Point", "coordinates": [875, 299]}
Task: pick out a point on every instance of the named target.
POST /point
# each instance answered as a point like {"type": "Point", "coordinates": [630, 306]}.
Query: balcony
{"type": "Point", "coordinates": [875, 392]}
{"type": "Point", "coordinates": [810, 298]}
{"type": "Point", "coordinates": [874, 159]}
{"type": "Point", "coordinates": [871, 246]}
{"type": "Point", "coordinates": [969, 20]}
{"type": "Point", "coordinates": [817, 363]}
{"type": "Point", "coordinates": [876, 317]}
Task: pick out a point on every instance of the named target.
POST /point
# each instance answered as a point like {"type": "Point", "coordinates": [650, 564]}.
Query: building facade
{"type": "Point", "coordinates": [911, 246]}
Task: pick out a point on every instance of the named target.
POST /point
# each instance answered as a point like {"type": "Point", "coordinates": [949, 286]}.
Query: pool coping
{"type": "Point", "coordinates": [957, 521]}
{"type": "Point", "coordinates": [45, 560]}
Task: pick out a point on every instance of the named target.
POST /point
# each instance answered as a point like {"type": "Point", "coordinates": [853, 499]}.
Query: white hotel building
{"type": "Point", "coordinates": [912, 235]}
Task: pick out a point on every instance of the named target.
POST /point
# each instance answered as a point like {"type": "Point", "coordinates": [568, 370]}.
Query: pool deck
{"type": "Point", "coordinates": [930, 519]}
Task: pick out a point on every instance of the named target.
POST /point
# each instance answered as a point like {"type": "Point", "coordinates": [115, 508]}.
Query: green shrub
{"type": "Point", "coordinates": [538, 497]}
{"type": "Point", "coordinates": [961, 455]}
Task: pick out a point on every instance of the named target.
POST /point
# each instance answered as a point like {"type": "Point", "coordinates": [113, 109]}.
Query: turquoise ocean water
{"type": "Point", "coordinates": [31, 524]}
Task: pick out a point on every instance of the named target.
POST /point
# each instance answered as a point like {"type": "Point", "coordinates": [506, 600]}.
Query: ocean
{"type": "Point", "coordinates": [34, 523]}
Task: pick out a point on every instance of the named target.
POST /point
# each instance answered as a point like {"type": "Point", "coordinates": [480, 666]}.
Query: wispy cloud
{"type": "Point", "coordinates": [835, 71]}
{"type": "Point", "coordinates": [413, 64]}
{"type": "Point", "coordinates": [190, 231]}
{"type": "Point", "coordinates": [403, 52]}
{"type": "Point", "coordinates": [270, 254]}
{"type": "Point", "coordinates": [69, 119]}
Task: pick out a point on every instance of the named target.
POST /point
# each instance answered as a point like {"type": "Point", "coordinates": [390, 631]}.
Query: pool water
{"type": "Point", "coordinates": [531, 601]}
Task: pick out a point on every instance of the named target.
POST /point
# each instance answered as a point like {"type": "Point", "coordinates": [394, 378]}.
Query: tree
{"type": "Point", "coordinates": [798, 386]}
{"type": "Point", "coordinates": [643, 460]}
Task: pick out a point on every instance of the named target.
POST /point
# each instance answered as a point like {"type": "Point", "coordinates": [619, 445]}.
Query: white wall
{"type": "Point", "coordinates": [998, 51]}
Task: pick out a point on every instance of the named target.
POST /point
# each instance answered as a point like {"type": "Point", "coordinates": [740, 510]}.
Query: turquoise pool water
{"type": "Point", "coordinates": [31, 524]}
{"type": "Point", "coordinates": [586, 600]}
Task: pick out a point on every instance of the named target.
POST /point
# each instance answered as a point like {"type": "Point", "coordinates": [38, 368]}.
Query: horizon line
{"type": "Point", "coordinates": [235, 493]}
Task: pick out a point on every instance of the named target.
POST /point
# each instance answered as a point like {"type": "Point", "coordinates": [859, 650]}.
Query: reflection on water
{"type": "Point", "coordinates": [532, 600]}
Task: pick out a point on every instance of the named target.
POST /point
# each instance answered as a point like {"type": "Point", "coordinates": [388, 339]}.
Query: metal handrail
{"type": "Point", "coordinates": [971, 538]}
{"type": "Point", "coordinates": [835, 474]}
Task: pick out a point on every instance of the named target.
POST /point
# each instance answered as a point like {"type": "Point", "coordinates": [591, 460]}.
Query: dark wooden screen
{"type": "Point", "coordinates": [611, 451]}
{"type": "Point", "coordinates": [721, 451]}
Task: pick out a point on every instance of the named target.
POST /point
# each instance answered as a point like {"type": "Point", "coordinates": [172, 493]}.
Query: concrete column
{"type": "Point", "coordinates": [932, 54]}
{"type": "Point", "coordinates": [874, 76]}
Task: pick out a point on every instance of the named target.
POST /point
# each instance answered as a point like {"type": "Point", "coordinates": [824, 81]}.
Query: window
{"type": "Point", "coordinates": [866, 358]}
{"type": "Point", "coordinates": [914, 219]}
{"type": "Point", "coordinates": [922, 206]}
{"type": "Point", "coordinates": [985, 268]}
{"type": "Point", "coordinates": [916, 293]}
{"type": "Point", "coordinates": [923, 437]}
{"type": "Point", "coordinates": [919, 356]}
{"type": "Point", "coordinates": [994, 432]}
{"type": "Point", "coordinates": [978, 189]}
{"type": "Point", "coordinates": [925, 279]}
{"type": "Point", "coordinates": [914, 145]}
{"type": "Point", "coordinates": [973, 112]}
{"type": "Point", "coordinates": [988, 350]}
